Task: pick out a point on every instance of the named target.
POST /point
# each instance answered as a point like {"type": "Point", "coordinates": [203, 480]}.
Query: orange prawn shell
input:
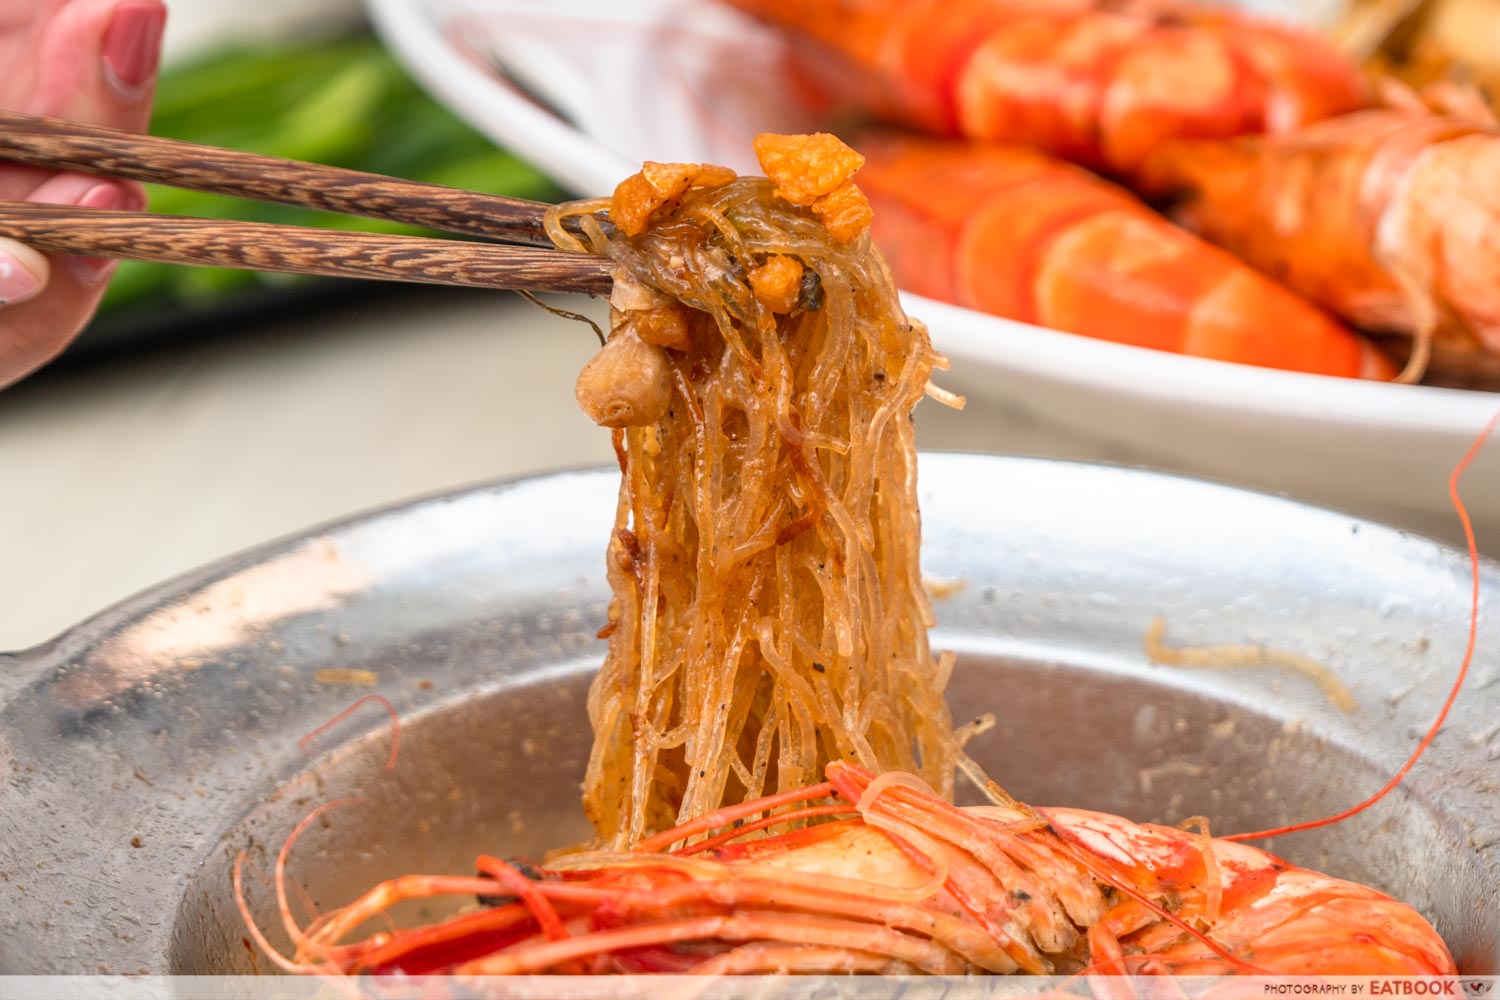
{"type": "Point", "coordinates": [1455, 201]}
{"type": "Point", "coordinates": [1021, 888]}
{"type": "Point", "coordinates": [1012, 232]}
{"type": "Point", "coordinates": [1387, 217]}
{"type": "Point", "coordinates": [1097, 85]}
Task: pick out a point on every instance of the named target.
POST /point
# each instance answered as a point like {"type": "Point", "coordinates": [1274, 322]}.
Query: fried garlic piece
{"type": "Point", "coordinates": [638, 197]}
{"type": "Point", "coordinates": [778, 283]}
{"type": "Point", "coordinates": [817, 170]}
{"type": "Point", "coordinates": [664, 327]}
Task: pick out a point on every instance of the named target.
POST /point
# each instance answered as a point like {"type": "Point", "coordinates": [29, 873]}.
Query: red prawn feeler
{"type": "Point", "coordinates": [383, 702]}
{"type": "Point", "coordinates": [1463, 670]}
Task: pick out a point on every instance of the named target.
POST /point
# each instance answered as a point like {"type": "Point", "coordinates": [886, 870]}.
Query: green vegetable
{"type": "Point", "coordinates": [343, 102]}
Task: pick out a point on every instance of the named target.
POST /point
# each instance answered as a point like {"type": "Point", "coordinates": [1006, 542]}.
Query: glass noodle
{"type": "Point", "coordinates": [768, 612]}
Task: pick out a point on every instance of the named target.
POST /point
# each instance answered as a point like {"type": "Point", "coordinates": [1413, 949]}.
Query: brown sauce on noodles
{"type": "Point", "coordinates": [768, 612]}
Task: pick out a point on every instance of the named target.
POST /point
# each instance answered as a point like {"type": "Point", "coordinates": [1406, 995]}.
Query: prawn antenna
{"type": "Point", "coordinates": [383, 702]}
{"type": "Point", "coordinates": [1463, 670]}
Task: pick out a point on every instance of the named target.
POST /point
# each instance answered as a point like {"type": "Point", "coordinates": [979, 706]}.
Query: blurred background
{"type": "Point", "coordinates": [206, 411]}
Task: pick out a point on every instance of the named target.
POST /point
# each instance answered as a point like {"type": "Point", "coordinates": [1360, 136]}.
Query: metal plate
{"type": "Point", "coordinates": [172, 722]}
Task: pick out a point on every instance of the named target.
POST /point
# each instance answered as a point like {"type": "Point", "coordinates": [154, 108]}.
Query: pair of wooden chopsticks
{"type": "Point", "coordinates": [60, 145]}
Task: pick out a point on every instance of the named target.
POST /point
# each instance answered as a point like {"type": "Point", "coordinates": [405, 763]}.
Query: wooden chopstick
{"type": "Point", "coordinates": [63, 145]}
{"type": "Point", "coordinates": [262, 246]}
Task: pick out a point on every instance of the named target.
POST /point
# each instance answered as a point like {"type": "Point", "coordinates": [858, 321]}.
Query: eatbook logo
{"type": "Point", "coordinates": [1478, 987]}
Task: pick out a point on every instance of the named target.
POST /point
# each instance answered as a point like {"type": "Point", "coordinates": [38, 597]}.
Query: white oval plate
{"type": "Point", "coordinates": [587, 89]}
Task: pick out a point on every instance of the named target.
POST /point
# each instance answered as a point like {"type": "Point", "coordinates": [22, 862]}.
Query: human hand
{"type": "Point", "coordinates": [90, 61]}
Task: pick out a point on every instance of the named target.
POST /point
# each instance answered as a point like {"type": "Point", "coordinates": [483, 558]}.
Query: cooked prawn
{"type": "Point", "coordinates": [1013, 232]}
{"type": "Point", "coordinates": [901, 882]}
{"type": "Point", "coordinates": [1387, 217]}
{"type": "Point", "coordinates": [1101, 82]}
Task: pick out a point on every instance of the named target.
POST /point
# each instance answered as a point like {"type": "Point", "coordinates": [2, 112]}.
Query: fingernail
{"type": "Point", "coordinates": [117, 199]}
{"type": "Point", "coordinates": [113, 197]}
{"type": "Point", "coordinates": [17, 284]}
{"type": "Point", "coordinates": [132, 43]}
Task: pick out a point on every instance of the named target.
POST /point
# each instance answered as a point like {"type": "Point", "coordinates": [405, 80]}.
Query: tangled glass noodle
{"type": "Point", "coordinates": [768, 612]}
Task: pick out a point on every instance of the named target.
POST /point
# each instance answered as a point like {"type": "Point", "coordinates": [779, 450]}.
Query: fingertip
{"type": "Point", "coordinates": [23, 272]}
{"type": "Point", "coordinates": [115, 195]}
{"type": "Point", "coordinates": [132, 45]}
{"type": "Point", "coordinates": [96, 62]}
{"type": "Point", "coordinates": [88, 191]}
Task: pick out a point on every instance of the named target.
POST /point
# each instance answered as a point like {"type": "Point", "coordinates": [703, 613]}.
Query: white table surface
{"type": "Point", "coordinates": [115, 478]}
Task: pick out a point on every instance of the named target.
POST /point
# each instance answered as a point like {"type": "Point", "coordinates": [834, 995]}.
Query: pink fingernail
{"type": "Point", "coordinates": [113, 197]}
{"type": "Point", "coordinates": [16, 283]}
{"type": "Point", "coordinates": [132, 43]}
{"type": "Point", "coordinates": [116, 199]}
